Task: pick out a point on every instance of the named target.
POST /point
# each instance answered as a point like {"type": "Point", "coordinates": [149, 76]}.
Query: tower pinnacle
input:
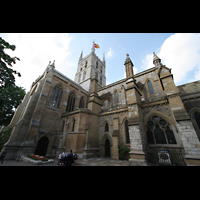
{"type": "Point", "coordinates": [93, 49]}
{"type": "Point", "coordinates": [156, 60]}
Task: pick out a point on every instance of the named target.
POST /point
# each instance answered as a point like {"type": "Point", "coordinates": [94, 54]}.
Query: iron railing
{"type": "Point", "coordinates": [165, 157]}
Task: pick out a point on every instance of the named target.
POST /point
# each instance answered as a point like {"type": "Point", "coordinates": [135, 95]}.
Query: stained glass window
{"type": "Point", "coordinates": [159, 132]}
{"type": "Point", "coordinates": [127, 132]}
{"type": "Point", "coordinates": [70, 102]}
{"type": "Point", "coordinates": [56, 97]}
{"type": "Point", "coordinates": [116, 97]}
{"type": "Point", "coordinates": [151, 91]}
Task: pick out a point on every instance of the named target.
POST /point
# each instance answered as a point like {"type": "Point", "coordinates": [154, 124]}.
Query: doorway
{"type": "Point", "coordinates": [42, 145]}
{"type": "Point", "coordinates": [107, 148]}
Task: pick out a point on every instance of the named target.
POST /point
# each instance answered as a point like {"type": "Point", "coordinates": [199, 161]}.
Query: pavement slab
{"type": "Point", "coordinates": [96, 161]}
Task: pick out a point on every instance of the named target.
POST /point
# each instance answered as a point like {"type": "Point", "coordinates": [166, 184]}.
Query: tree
{"type": "Point", "coordinates": [10, 98]}
{"type": "Point", "coordinates": [10, 94]}
{"type": "Point", "coordinates": [6, 73]}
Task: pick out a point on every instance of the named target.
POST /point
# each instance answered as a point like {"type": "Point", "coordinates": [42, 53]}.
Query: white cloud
{"type": "Point", "coordinates": [147, 62]}
{"type": "Point", "coordinates": [181, 52]}
{"type": "Point", "coordinates": [35, 50]}
{"type": "Point", "coordinates": [110, 53]}
{"type": "Point", "coordinates": [134, 70]}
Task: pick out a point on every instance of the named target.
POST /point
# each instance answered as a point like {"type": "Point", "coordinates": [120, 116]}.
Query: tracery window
{"type": "Point", "coordinates": [70, 102]}
{"type": "Point", "coordinates": [151, 91]}
{"type": "Point", "coordinates": [56, 96]}
{"type": "Point", "coordinates": [81, 104]}
{"type": "Point", "coordinates": [159, 132]}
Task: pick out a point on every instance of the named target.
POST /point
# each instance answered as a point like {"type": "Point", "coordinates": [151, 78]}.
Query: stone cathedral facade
{"type": "Point", "coordinates": [144, 111]}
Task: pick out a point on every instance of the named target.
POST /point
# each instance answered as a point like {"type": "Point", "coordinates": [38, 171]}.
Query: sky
{"type": "Point", "coordinates": [178, 51]}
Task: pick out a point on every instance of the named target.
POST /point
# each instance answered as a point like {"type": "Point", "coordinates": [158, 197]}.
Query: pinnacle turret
{"type": "Point", "coordinates": [81, 56]}
{"type": "Point", "coordinates": [156, 60]}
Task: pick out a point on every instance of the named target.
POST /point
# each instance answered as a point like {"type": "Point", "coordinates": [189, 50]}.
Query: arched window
{"type": "Point", "coordinates": [81, 104]}
{"type": "Point", "coordinates": [106, 127]}
{"type": "Point", "coordinates": [84, 74]}
{"type": "Point", "coordinates": [70, 102]}
{"type": "Point", "coordinates": [127, 132]}
{"type": "Point", "coordinates": [100, 80]}
{"type": "Point", "coordinates": [97, 64]}
{"type": "Point", "coordinates": [79, 78]}
{"type": "Point", "coordinates": [151, 91]}
{"type": "Point", "coordinates": [85, 63]}
{"type": "Point", "coordinates": [159, 132]}
{"type": "Point", "coordinates": [73, 124]}
{"type": "Point", "coordinates": [56, 96]}
{"type": "Point", "coordinates": [116, 97]}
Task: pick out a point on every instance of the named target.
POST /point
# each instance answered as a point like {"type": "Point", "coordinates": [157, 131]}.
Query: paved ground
{"type": "Point", "coordinates": [79, 162]}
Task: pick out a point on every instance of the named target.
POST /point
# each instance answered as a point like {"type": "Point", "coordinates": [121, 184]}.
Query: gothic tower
{"type": "Point", "coordinates": [88, 67]}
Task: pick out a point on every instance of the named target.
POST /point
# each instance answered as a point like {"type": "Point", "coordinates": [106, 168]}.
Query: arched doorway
{"type": "Point", "coordinates": [42, 145]}
{"type": "Point", "coordinates": [107, 148]}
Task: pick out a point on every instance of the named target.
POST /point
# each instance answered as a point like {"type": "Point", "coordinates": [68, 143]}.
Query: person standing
{"type": "Point", "coordinates": [59, 159]}
{"type": "Point", "coordinates": [64, 157]}
{"type": "Point", "coordinates": [70, 159]}
{"type": "Point", "coordinates": [3, 155]}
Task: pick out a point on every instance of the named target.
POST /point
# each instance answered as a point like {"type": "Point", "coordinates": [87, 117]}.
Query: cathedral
{"type": "Point", "coordinates": [146, 112]}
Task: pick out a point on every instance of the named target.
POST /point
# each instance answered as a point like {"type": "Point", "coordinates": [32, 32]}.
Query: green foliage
{"type": "Point", "coordinates": [123, 152]}
{"type": "Point", "coordinates": [4, 136]}
{"type": "Point", "coordinates": [10, 94]}
{"type": "Point", "coordinates": [10, 98]}
{"type": "Point", "coordinates": [6, 74]}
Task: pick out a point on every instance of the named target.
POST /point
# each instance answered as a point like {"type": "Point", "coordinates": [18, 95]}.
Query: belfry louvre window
{"type": "Point", "coordinates": [79, 78]}
{"type": "Point", "coordinates": [151, 91]}
{"type": "Point", "coordinates": [85, 63]}
{"type": "Point", "coordinates": [56, 96]}
{"type": "Point", "coordinates": [70, 102]}
{"type": "Point", "coordinates": [84, 74]}
{"type": "Point", "coordinates": [159, 132]}
{"type": "Point", "coordinates": [97, 64]}
{"type": "Point", "coordinates": [100, 80]}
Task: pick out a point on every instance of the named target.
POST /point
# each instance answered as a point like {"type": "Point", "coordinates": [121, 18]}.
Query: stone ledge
{"type": "Point", "coordinates": [192, 159]}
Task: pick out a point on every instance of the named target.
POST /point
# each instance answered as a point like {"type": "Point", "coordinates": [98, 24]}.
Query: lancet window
{"type": "Point", "coordinates": [56, 96]}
